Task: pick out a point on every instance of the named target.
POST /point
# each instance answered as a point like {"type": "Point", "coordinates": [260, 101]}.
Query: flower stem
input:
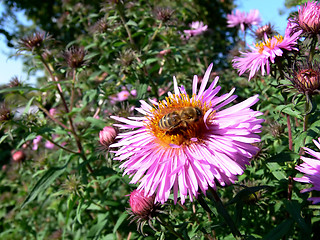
{"type": "Point", "coordinates": [289, 132]}
{"type": "Point", "coordinates": [72, 89]}
{"type": "Point", "coordinates": [169, 227]}
{"type": "Point", "coordinates": [224, 213]}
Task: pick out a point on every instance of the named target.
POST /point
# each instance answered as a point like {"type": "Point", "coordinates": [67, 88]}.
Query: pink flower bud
{"type": "Point", "coordinates": [18, 156]}
{"type": "Point", "coordinates": [140, 205]}
{"type": "Point", "coordinates": [107, 136]}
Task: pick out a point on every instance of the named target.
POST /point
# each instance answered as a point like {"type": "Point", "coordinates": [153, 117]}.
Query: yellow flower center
{"type": "Point", "coordinates": [178, 120]}
{"type": "Point", "coordinates": [269, 43]}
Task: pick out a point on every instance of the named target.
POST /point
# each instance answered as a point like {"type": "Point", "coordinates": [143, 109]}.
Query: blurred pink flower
{"type": "Point", "coordinates": [215, 147]}
{"type": "Point", "coordinates": [243, 20]}
{"type": "Point", "coordinates": [122, 96]}
{"type": "Point", "coordinates": [311, 168]}
{"type": "Point", "coordinates": [49, 145]}
{"type": "Point", "coordinates": [197, 28]}
{"type": "Point", "coordinates": [265, 52]}
{"type": "Point", "coordinates": [36, 142]}
{"type": "Point", "coordinates": [53, 111]}
{"type": "Point", "coordinates": [18, 156]}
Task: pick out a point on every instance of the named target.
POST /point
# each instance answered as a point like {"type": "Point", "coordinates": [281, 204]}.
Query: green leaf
{"type": "Point", "coordinates": [122, 217]}
{"type": "Point", "coordinates": [44, 182]}
{"type": "Point", "coordinates": [14, 89]}
{"type": "Point", "coordinates": [96, 122]}
{"type": "Point", "coordinates": [26, 109]}
{"type": "Point", "coordinates": [294, 209]}
{"type": "Point", "coordinates": [281, 230]}
{"type": "Point", "coordinates": [132, 23]}
{"type": "Point", "coordinates": [3, 138]}
{"type": "Point", "coordinates": [96, 229]}
{"type": "Point", "coordinates": [276, 170]}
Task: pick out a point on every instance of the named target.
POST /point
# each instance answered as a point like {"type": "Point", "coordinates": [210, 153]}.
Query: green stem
{"type": "Point", "coordinates": [224, 213]}
{"type": "Point", "coordinates": [169, 227]}
{"type": "Point", "coordinates": [73, 131]}
{"type": "Point", "coordinates": [72, 89]}
{"type": "Point", "coordinates": [312, 49]}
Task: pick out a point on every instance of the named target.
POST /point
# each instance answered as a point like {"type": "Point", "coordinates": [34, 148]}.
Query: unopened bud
{"type": "Point", "coordinates": [107, 136]}
{"type": "Point", "coordinates": [141, 205]}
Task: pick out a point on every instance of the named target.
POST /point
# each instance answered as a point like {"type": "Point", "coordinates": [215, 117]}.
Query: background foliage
{"type": "Point", "coordinates": [75, 190]}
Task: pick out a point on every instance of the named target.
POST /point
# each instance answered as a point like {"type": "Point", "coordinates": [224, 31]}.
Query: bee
{"type": "Point", "coordinates": [180, 118]}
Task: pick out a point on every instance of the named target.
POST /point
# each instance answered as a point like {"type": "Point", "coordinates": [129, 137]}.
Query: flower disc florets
{"type": "Point", "coordinates": [188, 144]}
{"type": "Point", "coordinates": [162, 122]}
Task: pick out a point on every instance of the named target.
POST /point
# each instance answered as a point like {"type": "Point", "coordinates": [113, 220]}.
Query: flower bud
{"type": "Point", "coordinates": [306, 78]}
{"type": "Point", "coordinates": [107, 136]}
{"type": "Point", "coordinates": [308, 17]}
{"type": "Point", "coordinates": [18, 156]}
{"type": "Point", "coordinates": [141, 205]}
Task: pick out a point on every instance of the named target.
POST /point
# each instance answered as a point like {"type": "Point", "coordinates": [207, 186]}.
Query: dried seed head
{"type": "Point", "coordinates": [34, 41]}
{"type": "Point", "coordinates": [15, 82]}
{"type": "Point", "coordinates": [74, 57]}
{"type": "Point", "coordinates": [5, 113]}
{"type": "Point", "coordinates": [127, 57]}
{"type": "Point", "coordinates": [100, 26]}
{"type": "Point", "coordinates": [276, 129]}
{"type": "Point", "coordinates": [164, 14]}
{"type": "Point", "coordinates": [266, 29]}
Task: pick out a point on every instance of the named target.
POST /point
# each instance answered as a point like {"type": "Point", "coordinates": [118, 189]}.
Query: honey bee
{"type": "Point", "coordinates": [180, 118]}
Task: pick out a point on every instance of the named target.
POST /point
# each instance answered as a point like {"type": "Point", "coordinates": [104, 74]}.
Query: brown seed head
{"type": "Point", "coordinates": [34, 41]}
{"type": "Point", "coordinates": [164, 14]}
{"type": "Point", "coordinates": [15, 82]}
{"type": "Point", "coordinates": [266, 29]}
{"type": "Point", "coordinates": [74, 57]}
{"type": "Point", "coordinates": [5, 113]}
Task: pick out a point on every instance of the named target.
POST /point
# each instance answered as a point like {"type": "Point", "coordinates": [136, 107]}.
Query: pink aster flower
{"type": "Point", "coordinates": [243, 19]}
{"type": "Point", "coordinates": [311, 168]}
{"type": "Point", "coordinates": [197, 28]}
{"type": "Point", "coordinates": [265, 52]}
{"type": "Point", "coordinates": [187, 144]}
